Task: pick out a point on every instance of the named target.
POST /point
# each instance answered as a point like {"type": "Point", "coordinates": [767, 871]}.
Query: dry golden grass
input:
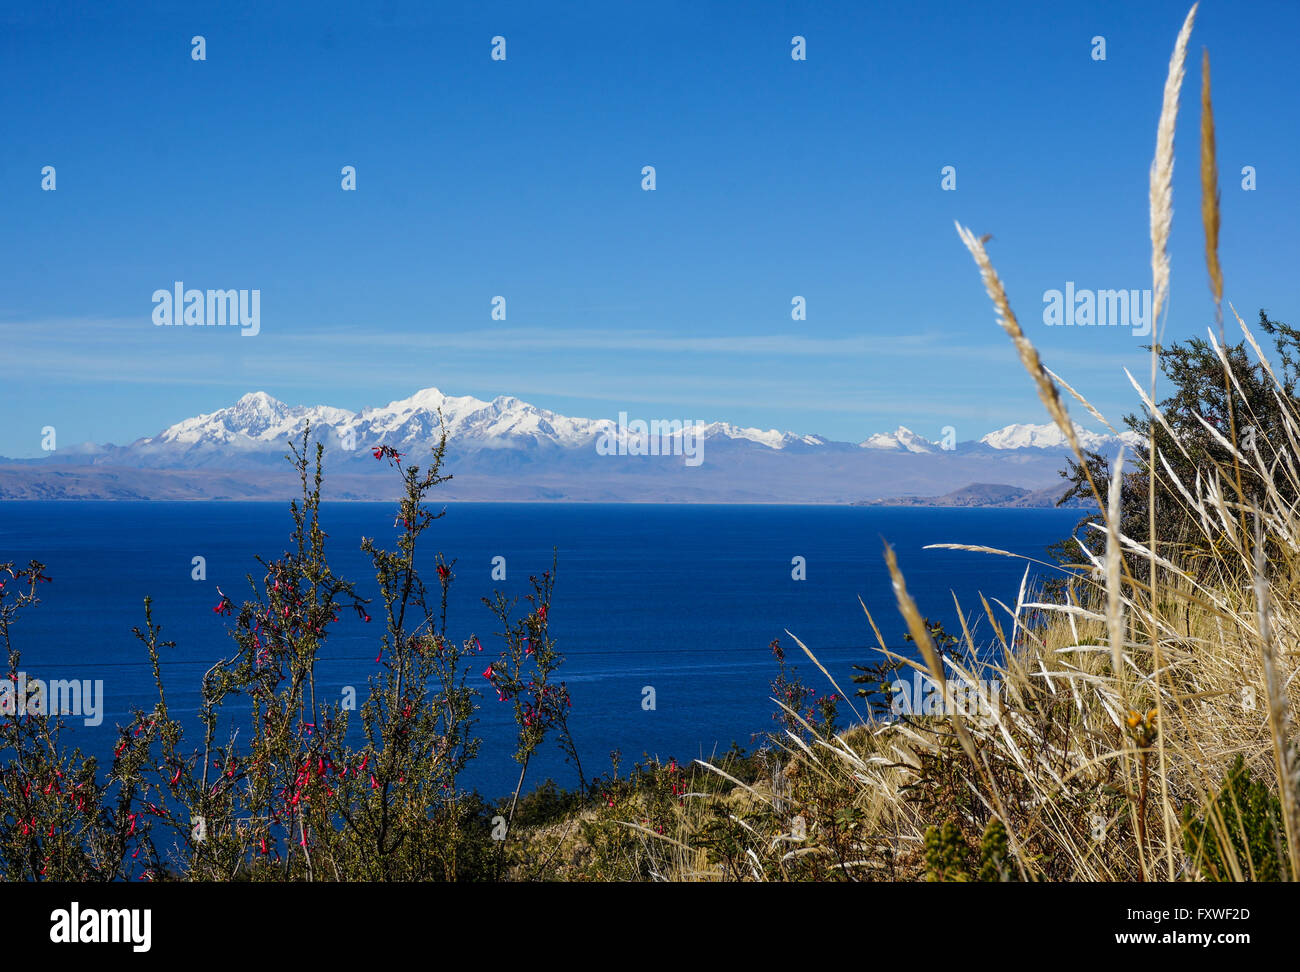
{"type": "Point", "coordinates": [1127, 704]}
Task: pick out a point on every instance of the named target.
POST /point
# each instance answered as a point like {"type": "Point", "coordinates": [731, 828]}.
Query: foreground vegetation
{"type": "Point", "coordinates": [1129, 720]}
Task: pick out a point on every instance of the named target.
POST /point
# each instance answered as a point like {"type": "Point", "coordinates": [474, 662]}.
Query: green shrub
{"type": "Point", "coordinates": [1243, 825]}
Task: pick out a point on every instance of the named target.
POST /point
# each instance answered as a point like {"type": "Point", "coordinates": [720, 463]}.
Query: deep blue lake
{"type": "Point", "coordinates": [682, 598]}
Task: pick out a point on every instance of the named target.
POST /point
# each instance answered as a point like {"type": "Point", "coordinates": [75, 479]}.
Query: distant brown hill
{"type": "Point", "coordinates": [986, 494]}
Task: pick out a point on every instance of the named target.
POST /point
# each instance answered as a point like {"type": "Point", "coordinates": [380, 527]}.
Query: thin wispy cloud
{"type": "Point", "coordinates": [72, 346]}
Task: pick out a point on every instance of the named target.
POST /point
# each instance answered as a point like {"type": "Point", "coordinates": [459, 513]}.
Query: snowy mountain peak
{"type": "Point", "coordinates": [901, 439]}
{"type": "Point", "coordinates": [256, 417]}
{"type": "Point", "coordinates": [257, 407]}
{"type": "Point", "coordinates": [259, 399]}
{"type": "Point", "coordinates": [426, 398]}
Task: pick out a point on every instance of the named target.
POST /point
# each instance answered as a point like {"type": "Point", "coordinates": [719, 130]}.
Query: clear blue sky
{"type": "Point", "coordinates": [522, 178]}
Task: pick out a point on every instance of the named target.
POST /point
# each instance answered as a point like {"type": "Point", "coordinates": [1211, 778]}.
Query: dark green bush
{"type": "Point", "coordinates": [1243, 824]}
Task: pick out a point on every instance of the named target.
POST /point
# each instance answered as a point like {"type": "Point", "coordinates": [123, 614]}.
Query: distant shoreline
{"type": "Point", "coordinates": [124, 484]}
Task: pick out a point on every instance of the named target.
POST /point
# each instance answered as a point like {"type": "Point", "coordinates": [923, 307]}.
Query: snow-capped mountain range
{"type": "Point", "coordinates": [257, 419]}
{"type": "Point", "coordinates": [510, 449]}
{"type": "Point", "coordinates": [1051, 437]}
